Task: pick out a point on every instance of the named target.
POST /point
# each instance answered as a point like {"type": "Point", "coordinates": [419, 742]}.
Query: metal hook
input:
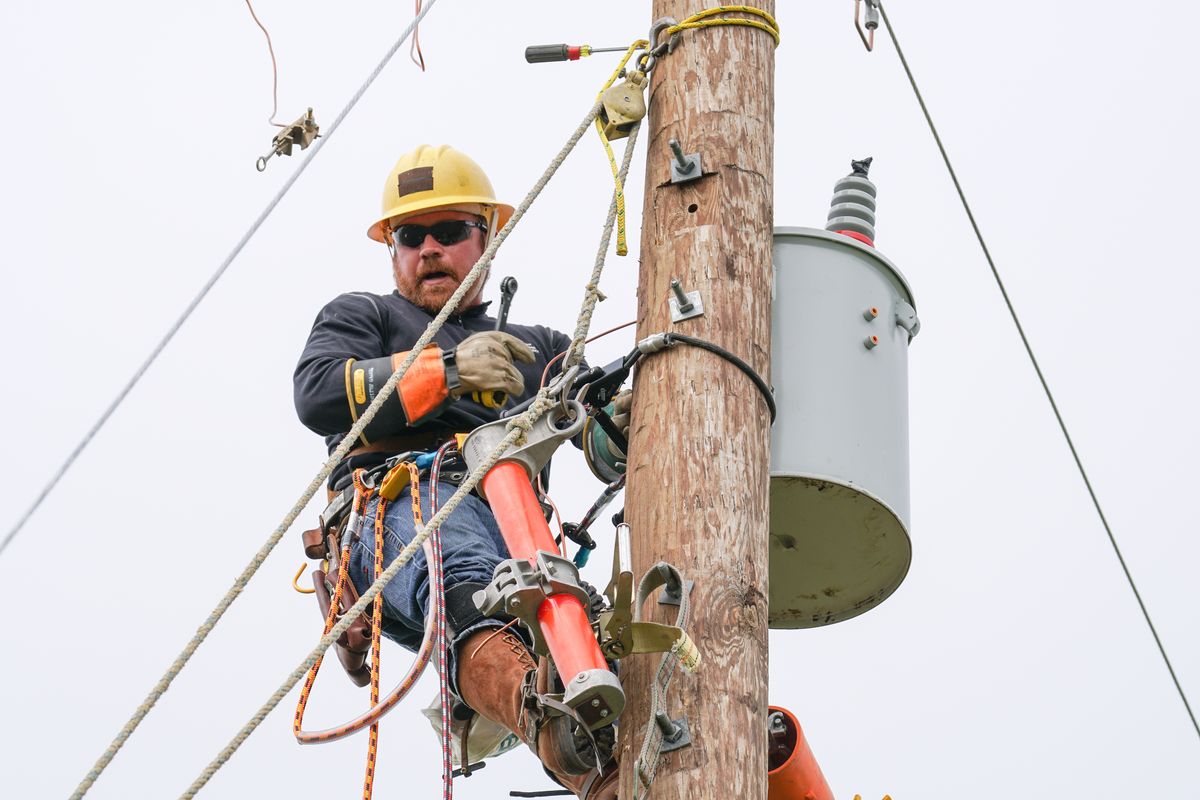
{"type": "Point", "coordinates": [661, 24]}
{"type": "Point", "coordinates": [564, 398]}
{"type": "Point", "coordinates": [872, 23]}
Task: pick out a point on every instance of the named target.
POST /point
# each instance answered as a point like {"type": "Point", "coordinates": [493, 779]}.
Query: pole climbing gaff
{"type": "Point", "coordinates": [536, 585]}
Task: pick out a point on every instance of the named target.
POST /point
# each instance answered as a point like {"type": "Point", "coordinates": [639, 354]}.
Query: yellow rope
{"type": "Point", "coordinates": [701, 20]}
{"type": "Point", "coordinates": [622, 244]}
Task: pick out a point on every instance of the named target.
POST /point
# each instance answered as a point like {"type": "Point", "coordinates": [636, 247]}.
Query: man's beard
{"type": "Point", "coordinates": [433, 298]}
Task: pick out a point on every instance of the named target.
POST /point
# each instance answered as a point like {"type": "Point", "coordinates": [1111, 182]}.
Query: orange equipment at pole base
{"type": "Point", "coordinates": [793, 772]}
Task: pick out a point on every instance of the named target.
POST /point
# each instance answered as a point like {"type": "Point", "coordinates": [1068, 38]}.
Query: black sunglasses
{"type": "Point", "coordinates": [446, 232]}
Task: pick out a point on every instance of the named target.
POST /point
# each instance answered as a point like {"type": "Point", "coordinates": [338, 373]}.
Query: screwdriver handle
{"type": "Point", "coordinates": [543, 53]}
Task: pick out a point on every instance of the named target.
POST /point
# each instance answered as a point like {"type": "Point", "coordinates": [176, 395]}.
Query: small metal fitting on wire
{"type": "Point", "coordinates": [872, 22]}
{"type": "Point", "coordinates": [302, 132]}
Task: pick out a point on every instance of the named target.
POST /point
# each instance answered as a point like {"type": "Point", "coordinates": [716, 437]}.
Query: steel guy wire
{"type": "Point", "coordinates": [212, 281]}
{"type": "Point", "coordinates": [202, 632]}
{"type": "Point", "coordinates": [1037, 368]}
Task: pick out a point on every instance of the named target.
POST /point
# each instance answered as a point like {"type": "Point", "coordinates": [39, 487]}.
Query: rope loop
{"type": "Point", "coordinates": [705, 19]}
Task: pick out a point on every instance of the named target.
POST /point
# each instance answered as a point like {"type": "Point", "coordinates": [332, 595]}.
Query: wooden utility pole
{"type": "Point", "coordinates": [699, 449]}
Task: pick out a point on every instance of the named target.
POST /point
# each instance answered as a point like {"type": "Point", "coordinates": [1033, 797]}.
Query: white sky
{"type": "Point", "coordinates": [1012, 660]}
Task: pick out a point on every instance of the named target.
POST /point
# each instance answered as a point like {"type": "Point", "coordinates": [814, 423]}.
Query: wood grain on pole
{"type": "Point", "coordinates": [699, 451]}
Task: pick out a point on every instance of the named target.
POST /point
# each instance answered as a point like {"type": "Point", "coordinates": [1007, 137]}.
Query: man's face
{"type": "Point", "coordinates": [428, 273]}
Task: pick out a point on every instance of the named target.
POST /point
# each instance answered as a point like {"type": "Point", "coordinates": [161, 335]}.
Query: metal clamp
{"type": "Point", "coordinates": [542, 439]}
{"type": "Point", "coordinates": [519, 588]}
{"type": "Point", "coordinates": [302, 132]}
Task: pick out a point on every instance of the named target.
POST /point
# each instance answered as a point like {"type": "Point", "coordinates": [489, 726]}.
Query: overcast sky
{"type": "Point", "coordinates": [1013, 659]}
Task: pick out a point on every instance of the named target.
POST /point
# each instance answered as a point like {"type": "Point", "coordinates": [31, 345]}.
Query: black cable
{"type": "Point", "coordinates": [763, 388]}
{"type": "Point", "coordinates": [1042, 378]}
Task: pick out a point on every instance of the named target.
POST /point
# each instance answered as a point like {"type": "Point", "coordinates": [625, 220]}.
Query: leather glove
{"type": "Point", "coordinates": [620, 411]}
{"type": "Point", "coordinates": [485, 362]}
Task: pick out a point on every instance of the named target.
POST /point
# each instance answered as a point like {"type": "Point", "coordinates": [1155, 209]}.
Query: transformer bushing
{"type": "Point", "coordinates": [853, 206]}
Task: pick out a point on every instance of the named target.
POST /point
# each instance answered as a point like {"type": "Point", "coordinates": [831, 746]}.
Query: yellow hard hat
{"type": "Point", "coordinates": [430, 178]}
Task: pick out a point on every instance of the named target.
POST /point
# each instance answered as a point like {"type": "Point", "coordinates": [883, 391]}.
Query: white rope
{"type": "Point", "coordinates": [202, 632]}
{"type": "Point", "coordinates": [212, 281]}
{"type": "Point", "coordinates": [518, 427]}
{"type": "Point", "coordinates": [334, 459]}
{"type": "Point", "coordinates": [592, 290]}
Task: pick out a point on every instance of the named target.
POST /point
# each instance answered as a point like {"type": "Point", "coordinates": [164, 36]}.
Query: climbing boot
{"type": "Point", "coordinates": [497, 677]}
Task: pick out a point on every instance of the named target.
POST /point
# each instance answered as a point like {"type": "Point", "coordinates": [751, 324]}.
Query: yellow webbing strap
{"type": "Point", "coordinates": [622, 245]}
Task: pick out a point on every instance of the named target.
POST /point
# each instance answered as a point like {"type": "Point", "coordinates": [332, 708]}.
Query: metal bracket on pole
{"type": "Point", "coordinates": [684, 168]}
{"type": "Point", "coordinates": [675, 732]}
{"type": "Point", "coordinates": [684, 305]}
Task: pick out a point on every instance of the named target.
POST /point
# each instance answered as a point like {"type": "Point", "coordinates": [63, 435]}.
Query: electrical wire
{"type": "Point", "coordinates": [275, 68]}
{"type": "Point", "coordinates": [212, 281]}
{"type": "Point", "coordinates": [671, 338]}
{"type": "Point", "coordinates": [414, 48]}
{"type": "Point", "coordinates": [557, 358]}
{"type": "Point", "coordinates": [1037, 368]}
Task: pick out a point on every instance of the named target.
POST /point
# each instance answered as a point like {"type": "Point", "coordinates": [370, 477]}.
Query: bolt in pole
{"type": "Point", "coordinates": [699, 442]}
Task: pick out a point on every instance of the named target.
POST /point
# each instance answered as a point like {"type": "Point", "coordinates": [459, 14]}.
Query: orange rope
{"type": "Point", "coordinates": [334, 607]}
{"type": "Point", "coordinates": [376, 628]}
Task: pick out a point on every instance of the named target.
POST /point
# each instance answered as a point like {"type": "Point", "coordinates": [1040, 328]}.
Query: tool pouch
{"type": "Point", "coordinates": [355, 643]}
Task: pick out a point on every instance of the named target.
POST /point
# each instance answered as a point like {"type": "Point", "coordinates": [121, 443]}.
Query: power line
{"type": "Point", "coordinates": [212, 281]}
{"type": "Point", "coordinates": [1037, 368]}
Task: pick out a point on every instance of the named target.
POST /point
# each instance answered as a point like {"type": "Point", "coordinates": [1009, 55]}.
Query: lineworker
{"type": "Point", "coordinates": [439, 212]}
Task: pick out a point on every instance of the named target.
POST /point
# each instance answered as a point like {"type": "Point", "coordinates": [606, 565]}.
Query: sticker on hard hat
{"type": "Point", "coordinates": [417, 179]}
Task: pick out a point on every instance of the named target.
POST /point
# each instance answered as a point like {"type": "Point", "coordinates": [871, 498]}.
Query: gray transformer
{"type": "Point", "coordinates": [842, 320]}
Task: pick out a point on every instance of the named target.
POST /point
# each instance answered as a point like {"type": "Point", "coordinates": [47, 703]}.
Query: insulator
{"type": "Point", "coordinates": [853, 205]}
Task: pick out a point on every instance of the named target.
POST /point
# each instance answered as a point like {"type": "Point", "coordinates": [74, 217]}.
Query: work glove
{"type": "Point", "coordinates": [620, 411]}
{"type": "Point", "coordinates": [485, 363]}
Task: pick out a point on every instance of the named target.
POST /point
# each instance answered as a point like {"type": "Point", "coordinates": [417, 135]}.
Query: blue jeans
{"type": "Point", "coordinates": [471, 548]}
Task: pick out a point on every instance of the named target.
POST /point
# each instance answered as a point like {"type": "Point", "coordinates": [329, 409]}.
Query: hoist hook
{"type": "Point", "coordinates": [872, 22]}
